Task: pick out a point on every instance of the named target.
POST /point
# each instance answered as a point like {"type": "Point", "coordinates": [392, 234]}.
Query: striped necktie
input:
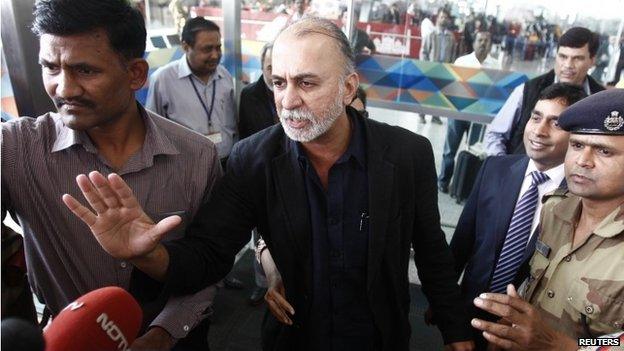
{"type": "Point", "coordinates": [517, 236]}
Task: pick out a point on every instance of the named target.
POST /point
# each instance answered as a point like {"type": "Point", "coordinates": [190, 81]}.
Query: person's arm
{"type": "Point", "coordinates": [433, 257]}
{"type": "Point", "coordinates": [464, 235]}
{"type": "Point", "coordinates": [497, 132]}
{"type": "Point", "coordinates": [275, 296]}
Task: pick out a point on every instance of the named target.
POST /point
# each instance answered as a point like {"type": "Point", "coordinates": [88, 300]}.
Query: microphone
{"type": "Point", "coordinates": [20, 335]}
{"type": "Point", "coordinates": [104, 319]}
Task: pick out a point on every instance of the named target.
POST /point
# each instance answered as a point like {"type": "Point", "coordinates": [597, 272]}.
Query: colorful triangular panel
{"type": "Point", "coordinates": [459, 89]}
{"type": "Point", "coordinates": [464, 73]}
{"type": "Point", "coordinates": [437, 100]}
{"type": "Point", "coordinates": [481, 78]}
{"type": "Point", "coordinates": [461, 103]}
{"type": "Point", "coordinates": [440, 71]}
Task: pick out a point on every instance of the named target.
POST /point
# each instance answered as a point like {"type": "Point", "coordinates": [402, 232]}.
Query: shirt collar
{"type": "Point", "coordinates": [156, 142]}
{"type": "Point", "coordinates": [357, 145]}
{"type": "Point", "coordinates": [569, 211]}
{"type": "Point", "coordinates": [184, 70]}
{"type": "Point", "coordinates": [554, 174]}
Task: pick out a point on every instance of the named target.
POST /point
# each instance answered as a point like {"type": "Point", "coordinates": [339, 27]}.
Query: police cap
{"type": "Point", "coordinates": [600, 113]}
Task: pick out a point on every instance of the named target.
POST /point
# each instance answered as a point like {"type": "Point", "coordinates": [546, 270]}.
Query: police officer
{"type": "Point", "coordinates": [576, 283]}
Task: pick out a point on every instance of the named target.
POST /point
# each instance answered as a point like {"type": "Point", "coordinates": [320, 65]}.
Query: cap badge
{"type": "Point", "coordinates": [614, 121]}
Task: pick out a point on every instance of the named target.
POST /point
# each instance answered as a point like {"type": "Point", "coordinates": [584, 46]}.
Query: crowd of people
{"type": "Point", "coordinates": [158, 200]}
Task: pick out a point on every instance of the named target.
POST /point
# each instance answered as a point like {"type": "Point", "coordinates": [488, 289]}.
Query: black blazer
{"type": "Point", "coordinates": [255, 111]}
{"type": "Point", "coordinates": [483, 224]}
{"type": "Point", "coordinates": [264, 187]}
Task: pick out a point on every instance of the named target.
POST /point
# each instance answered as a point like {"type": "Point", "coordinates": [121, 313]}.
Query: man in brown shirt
{"type": "Point", "coordinates": [91, 52]}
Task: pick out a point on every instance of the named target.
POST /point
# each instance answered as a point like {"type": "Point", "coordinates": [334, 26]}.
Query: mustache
{"type": "Point", "coordinates": [298, 114]}
{"type": "Point", "coordinates": [59, 102]}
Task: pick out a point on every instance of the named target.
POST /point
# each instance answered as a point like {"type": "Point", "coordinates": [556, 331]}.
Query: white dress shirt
{"type": "Point", "coordinates": [555, 175]}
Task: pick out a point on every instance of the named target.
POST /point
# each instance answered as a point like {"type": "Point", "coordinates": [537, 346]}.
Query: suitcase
{"type": "Point", "coordinates": [467, 167]}
{"type": "Point", "coordinates": [468, 164]}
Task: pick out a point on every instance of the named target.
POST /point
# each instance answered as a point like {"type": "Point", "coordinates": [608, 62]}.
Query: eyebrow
{"type": "Point", "coordinates": [298, 76]}
{"type": "Point", "coordinates": [43, 61]}
{"type": "Point", "coordinates": [591, 144]}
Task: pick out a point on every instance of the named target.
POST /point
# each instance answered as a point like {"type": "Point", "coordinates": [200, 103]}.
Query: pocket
{"type": "Point", "coordinates": [604, 313]}
{"type": "Point", "coordinates": [539, 263]}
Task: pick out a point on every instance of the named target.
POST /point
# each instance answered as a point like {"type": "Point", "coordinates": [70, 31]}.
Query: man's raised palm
{"type": "Point", "coordinates": [119, 223]}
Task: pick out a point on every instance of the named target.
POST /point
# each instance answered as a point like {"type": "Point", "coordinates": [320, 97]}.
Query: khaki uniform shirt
{"type": "Point", "coordinates": [579, 292]}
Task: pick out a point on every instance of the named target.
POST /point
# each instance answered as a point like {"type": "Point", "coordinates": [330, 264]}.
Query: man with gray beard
{"type": "Point", "coordinates": [339, 199]}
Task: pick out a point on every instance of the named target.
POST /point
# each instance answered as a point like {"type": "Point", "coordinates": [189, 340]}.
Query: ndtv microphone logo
{"type": "Point", "coordinates": [113, 332]}
{"type": "Point", "coordinates": [74, 306]}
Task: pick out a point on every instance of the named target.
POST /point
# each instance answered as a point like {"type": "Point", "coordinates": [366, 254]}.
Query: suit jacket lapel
{"type": "Point", "coordinates": [291, 188]}
{"type": "Point", "coordinates": [380, 187]}
{"type": "Point", "coordinates": [511, 183]}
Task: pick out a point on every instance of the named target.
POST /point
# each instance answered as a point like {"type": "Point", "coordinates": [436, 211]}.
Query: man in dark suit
{"type": "Point", "coordinates": [257, 103]}
{"type": "Point", "coordinates": [339, 199]}
{"type": "Point", "coordinates": [495, 232]}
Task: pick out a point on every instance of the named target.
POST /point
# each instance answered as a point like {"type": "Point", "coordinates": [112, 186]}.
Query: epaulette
{"type": "Point", "coordinates": [557, 194]}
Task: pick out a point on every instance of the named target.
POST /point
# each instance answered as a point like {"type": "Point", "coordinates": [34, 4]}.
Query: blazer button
{"type": "Point", "coordinates": [589, 309]}
{"type": "Point", "coordinates": [568, 258]}
{"type": "Point", "coordinates": [550, 294]}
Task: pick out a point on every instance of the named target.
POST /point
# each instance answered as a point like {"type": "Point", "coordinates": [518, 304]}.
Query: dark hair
{"type": "Point", "coordinates": [268, 46]}
{"type": "Point", "coordinates": [195, 25]}
{"type": "Point", "coordinates": [577, 37]}
{"type": "Point", "coordinates": [564, 92]}
{"type": "Point", "coordinates": [123, 24]}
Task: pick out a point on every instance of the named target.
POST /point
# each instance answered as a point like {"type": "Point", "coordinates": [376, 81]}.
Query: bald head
{"type": "Point", "coordinates": [322, 27]}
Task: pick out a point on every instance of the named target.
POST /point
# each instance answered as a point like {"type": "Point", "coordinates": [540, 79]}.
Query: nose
{"type": "Point", "coordinates": [585, 158]}
{"type": "Point", "coordinates": [541, 129]}
{"type": "Point", "coordinates": [66, 86]}
{"type": "Point", "coordinates": [567, 62]}
{"type": "Point", "coordinates": [290, 99]}
{"type": "Point", "coordinates": [215, 54]}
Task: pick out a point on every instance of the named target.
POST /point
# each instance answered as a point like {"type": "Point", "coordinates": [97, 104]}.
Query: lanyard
{"type": "Point", "coordinates": [214, 88]}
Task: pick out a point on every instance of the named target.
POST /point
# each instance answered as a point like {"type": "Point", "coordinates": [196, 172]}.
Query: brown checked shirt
{"type": "Point", "coordinates": [172, 174]}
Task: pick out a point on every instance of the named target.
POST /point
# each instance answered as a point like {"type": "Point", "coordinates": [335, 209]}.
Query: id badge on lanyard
{"type": "Point", "coordinates": [215, 137]}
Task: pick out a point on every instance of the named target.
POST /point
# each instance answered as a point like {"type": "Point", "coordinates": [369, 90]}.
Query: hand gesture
{"type": "Point", "coordinates": [522, 328]}
{"type": "Point", "coordinates": [119, 223]}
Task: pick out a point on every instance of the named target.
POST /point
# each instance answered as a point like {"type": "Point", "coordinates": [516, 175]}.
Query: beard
{"type": "Point", "coordinates": [317, 126]}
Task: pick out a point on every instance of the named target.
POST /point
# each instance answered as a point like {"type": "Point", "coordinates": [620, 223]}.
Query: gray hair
{"type": "Point", "coordinates": [322, 26]}
{"type": "Point", "coordinates": [268, 46]}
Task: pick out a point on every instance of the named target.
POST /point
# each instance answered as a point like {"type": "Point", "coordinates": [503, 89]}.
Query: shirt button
{"type": "Point", "coordinates": [569, 298]}
{"type": "Point", "coordinates": [550, 294]}
{"type": "Point", "coordinates": [123, 264]}
{"type": "Point", "coordinates": [568, 258]}
{"type": "Point", "coordinates": [186, 328]}
{"type": "Point", "coordinates": [589, 309]}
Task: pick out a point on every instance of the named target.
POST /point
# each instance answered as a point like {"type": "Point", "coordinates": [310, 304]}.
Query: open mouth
{"type": "Point", "coordinates": [536, 145]}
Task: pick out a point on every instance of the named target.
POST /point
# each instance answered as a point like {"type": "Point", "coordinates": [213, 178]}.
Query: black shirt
{"type": "Point", "coordinates": [341, 318]}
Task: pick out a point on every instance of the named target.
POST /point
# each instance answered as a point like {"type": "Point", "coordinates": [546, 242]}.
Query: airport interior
{"type": "Point", "coordinates": [445, 70]}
